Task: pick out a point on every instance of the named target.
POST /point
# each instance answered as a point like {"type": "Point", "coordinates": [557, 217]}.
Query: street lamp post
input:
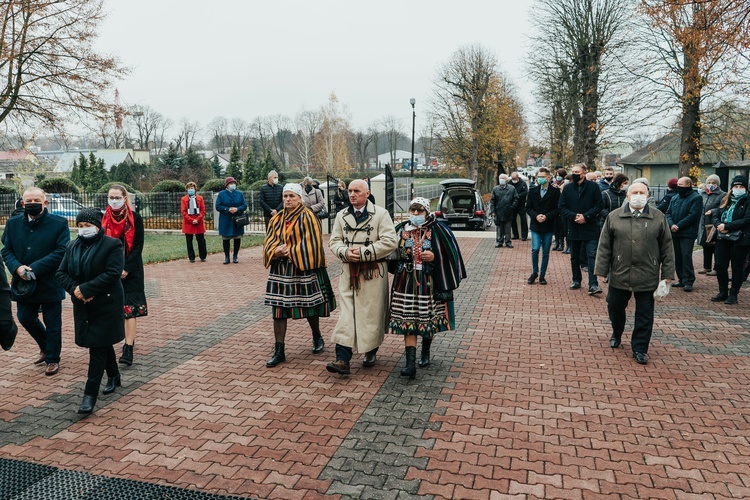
{"type": "Point", "coordinates": [412, 101]}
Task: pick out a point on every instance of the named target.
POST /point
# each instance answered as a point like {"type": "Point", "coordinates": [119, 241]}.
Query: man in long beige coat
{"type": "Point", "coordinates": [363, 237]}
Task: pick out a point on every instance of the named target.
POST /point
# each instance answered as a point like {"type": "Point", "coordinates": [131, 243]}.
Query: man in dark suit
{"type": "Point", "coordinates": [33, 247]}
{"type": "Point", "coordinates": [271, 197]}
{"type": "Point", "coordinates": [683, 216]}
{"type": "Point", "coordinates": [541, 207]}
{"type": "Point", "coordinates": [580, 203]}
{"type": "Point", "coordinates": [520, 211]}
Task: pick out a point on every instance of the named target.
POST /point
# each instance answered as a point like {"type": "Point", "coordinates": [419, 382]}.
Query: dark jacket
{"type": "Point", "coordinates": [740, 220]}
{"type": "Point", "coordinates": [522, 189]}
{"type": "Point", "coordinates": [686, 214]}
{"type": "Point", "coordinates": [39, 244]}
{"type": "Point", "coordinates": [504, 201]}
{"type": "Point", "coordinates": [536, 205]}
{"type": "Point", "coordinates": [271, 198]}
{"type": "Point", "coordinates": [664, 203]}
{"type": "Point", "coordinates": [710, 202]}
{"type": "Point", "coordinates": [612, 199]}
{"type": "Point", "coordinates": [134, 281]}
{"type": "Point", "coordinates": [224, 201]}
{"type": "Point", "coordinates": [603, 185]}
{"type": "Point", "coordinates": [341, 200]}
{"type": "Point", "coordinates": [95, 267]}
{"type": "Point", "coordinates": [586, 199]}
{"type": "Point", "coordinates": [635, 253]}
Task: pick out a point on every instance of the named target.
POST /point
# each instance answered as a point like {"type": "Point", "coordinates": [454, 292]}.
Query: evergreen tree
{"type": "Point", "coordinates": [267, 165]}
{"type": "Point", "coordinates": [216, 166]}
{"type": "Point", "coordinates": [252, 172]}
{"type": "Point", "coordinates": [96, 176]}
{"type": "Point", "coordinates": [79, 172]}
{"type": "Point", "coordinates": [234, 169]}
{"type": "Point", "coordinates": [171, 162]}
{"type": "Point", "coordinates": [123, 173]}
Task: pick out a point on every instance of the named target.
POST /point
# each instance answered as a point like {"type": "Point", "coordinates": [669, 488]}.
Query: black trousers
{"type": "Point", "coordinates": [708, 256]}
{"type": "Point", "coordinates": [617, 302]}
{"type": "Point", "coordinates": [728, 252]}
{"type": "Point", "coordinates": [520, 212]}
{"type": "Point", "coordinates": [201, 238]}
{"type": "Point", "coordinates": [101, 359]}
{"type": "Point", "coordinates": [560, 230]}
{"type": "Point", "coordinates": [683, 260]}
{"type": "Point", "coordinates": [589, 249]}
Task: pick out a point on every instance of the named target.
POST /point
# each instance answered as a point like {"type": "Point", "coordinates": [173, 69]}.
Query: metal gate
{"type": "Point", "coordinates": [332, 189]}
{"type": "Point", "coordinates": [390, 196]}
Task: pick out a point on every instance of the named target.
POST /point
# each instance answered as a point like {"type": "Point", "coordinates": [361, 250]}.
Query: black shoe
{"type": "Point", "coordinates": [203, 260]}
{"type": "Point", "coordinates": [575, 285]}
{"type": "Point", "coordinates": [514, 238]}
{"type": "Point", "coordinates": [614, 342]}
{"type": "Point", "coordinates": [498, 245]}
{"type": "Point", "coordinates": [594, 290]}
{"type": "Point", "coordinates": [127, 355]}
{"type": "Point", "coordinates": [318, 344]}
{"type": "Point", "coordinates": [532, 278]}
{"type": "Point", "coordinates": [509, 245]}
{"type": "Point", "coordinates": [410, 370]}
{"type": "Point", "coordinates": [235, 260]}
{"type": "Point", "coordinates": [370, 359]}
{"type": "Point", "coordinates": [226, 260]}
{"type": "Point", "coordinates": [87, 405]}
{"type": "Point", "coordinates": [678, 285]}
{"type": "Point", "coordinates": [278, 355]}
{"type": "Point", "coordinates": [112, 383]}
{"type": "Point", "coordinates": [584, 269]}
{"type": "Point", "coordinates": [524, 239]}
{"type": "Point", "coordinates": [640, 358]}
{"type": "Point", "coordinates": [720, 297]}
{"type": "Point", "coordinates": [542, 281]}
{"type": "Point", "coordinates": [688, 288]}
{"type": "Point", "coordinates": [732, 299]}
{"type": "Point", "coordinates": [192, 261]}
{"type": "Point", "coordinates": [567, 251]}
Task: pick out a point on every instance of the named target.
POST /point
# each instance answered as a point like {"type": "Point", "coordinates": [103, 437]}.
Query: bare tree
{"type": "Point", "coordinates": [160, 141]}
{"type": "Point", "coordinates": [307, 124]}
{"type": "Point", "coordinates": [334, 132]}
{"type": "Point", "coordinates": [392, 130]}
{"type": "Point", "coordinates": [186, 134]}
{"type": "Point", "coordinates": [218, 128]}
{"type": "Point", "coordinates": [240, 133]}
{"type": "Point", "coordinates": [282, 136]}
{"type": "Point", "coordinates": [361, 141]}
{"type": "Point", "coordinates": [699, 49]}
{"type": "Point", "coordinates": [49, 66]}
{"type": "Point", "coordinates": [374, 131]}
{"type": "Point", "coordinates": [146, 122]}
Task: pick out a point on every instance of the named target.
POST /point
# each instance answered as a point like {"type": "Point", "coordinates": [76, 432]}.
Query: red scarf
{"type": "Point", "coordinates": [120, 224]}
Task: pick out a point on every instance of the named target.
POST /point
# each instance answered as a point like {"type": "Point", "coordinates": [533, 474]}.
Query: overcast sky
{"type": "Point", "coordinates": [201, 59]}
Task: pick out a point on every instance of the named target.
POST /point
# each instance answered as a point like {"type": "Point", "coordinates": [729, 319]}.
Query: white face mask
{"type": "Point", "coordinates": [87, 232]}
{"type": "Point", "coordinates": [275, 180]}
{"type": "Point", "coordinates": [638, 201]}
{"type": "Point", "coordinates": [116, 204]}
{"type": "Point", "coordinates": [738, 191]}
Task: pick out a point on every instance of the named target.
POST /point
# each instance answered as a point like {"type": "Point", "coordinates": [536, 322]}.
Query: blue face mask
{"type": "Point", "coordinates": [541, 181]}
{"type": "Point", "coordinates": [232, 187]}
{"type": "Point", "coordinates": [191, 192]}
{"type": "Point", "coordinates": [558, 178]}
{"type": "Point", "coordinates": [416, 220]}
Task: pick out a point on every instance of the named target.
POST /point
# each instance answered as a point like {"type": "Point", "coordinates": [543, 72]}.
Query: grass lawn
{"type": "Point", "coordinates": [159, 247]}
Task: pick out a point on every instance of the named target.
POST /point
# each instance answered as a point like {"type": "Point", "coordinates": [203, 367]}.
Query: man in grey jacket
{"type": "Point", "coordinates": [504, 201]}
{"type": "Point", "coordinates": [635, 250]}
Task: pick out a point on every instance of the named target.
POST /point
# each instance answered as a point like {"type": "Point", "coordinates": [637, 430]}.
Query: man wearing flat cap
{"type": "Point", "coordinates": [33, 247]}
{"type": "Point", "coordinates": [363, 236]}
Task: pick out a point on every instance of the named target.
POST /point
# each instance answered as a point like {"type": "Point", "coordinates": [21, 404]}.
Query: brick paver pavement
{"type": "Point", "coordinates": [524, 400]}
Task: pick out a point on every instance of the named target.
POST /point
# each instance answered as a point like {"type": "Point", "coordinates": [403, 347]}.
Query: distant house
{"type": "Point", "coordinates": [12, 159]}
{"type": "Point", "coordinates": [223, 160]}
{"type": "Point", "coordinates": [659, 161]}
{"type": "Point", "coordinates": [728, 169]}
{"type": "Point", "coordinates": [111, 158]}
{"type": "Point", "coordinates": [401, 157]}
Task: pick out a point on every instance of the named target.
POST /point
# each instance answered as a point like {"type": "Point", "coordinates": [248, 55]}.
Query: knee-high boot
{"type": "Point", "coordinates": [424, 360]}
{"type": "Point", "coordinates": [410, 370]}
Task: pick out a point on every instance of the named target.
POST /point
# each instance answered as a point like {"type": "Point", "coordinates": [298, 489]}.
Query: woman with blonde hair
{"type": "Point", "coordinates": [123, 223]}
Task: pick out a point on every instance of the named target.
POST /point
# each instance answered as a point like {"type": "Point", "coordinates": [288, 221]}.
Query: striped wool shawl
{"type": "Point", "coordinates": [300, 230]}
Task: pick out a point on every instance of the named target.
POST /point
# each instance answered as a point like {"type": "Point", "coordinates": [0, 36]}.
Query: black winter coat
{"type": "Point", "coordinates": [522, 189]}
{"type": "Point", "coordinates": [586, 199]}
{"type": "Point", "coordinates": [504, 201]}
{"type": "Point", "coordinates": [39, 244]}
{"type": "Point", "coordinates": [612, 199]}
{"type": "Point", "coordinates": [686, 214]}
{"type": "Point", "coordinates": [740, 220]}
{"type": "Point", "coordinates": [536, 205]}
{"type": "Point", "coordinates": [271, 198]}
{"type": "Point", "coordinates": [134, 281]}
{"type": "Point", "coordinates": [664, 203]}
{"type": "Point", "coordinates": [95, 267]}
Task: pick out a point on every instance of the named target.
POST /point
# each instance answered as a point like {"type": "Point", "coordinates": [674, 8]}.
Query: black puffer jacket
{"type": "Point", "coordinates": [740, 220]}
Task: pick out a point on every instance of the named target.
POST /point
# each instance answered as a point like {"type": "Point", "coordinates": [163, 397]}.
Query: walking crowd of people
{"type": "Point", "coordinates": [611, 228]}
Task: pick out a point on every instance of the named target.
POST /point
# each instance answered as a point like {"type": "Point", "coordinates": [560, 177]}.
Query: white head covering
{"type": "Point", "coordinates": [423, 202]}
{"type": "Point", "coordinates": [294, 188]}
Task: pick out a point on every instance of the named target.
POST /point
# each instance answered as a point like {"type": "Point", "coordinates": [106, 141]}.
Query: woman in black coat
{"type": "Point", "coordinates": [90, 273]}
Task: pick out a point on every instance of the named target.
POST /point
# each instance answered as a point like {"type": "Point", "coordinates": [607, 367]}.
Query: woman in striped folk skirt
{"type": "Point", "coordinates": [427, 267]}
{"type": "Point", "coordinates": [298, 284]}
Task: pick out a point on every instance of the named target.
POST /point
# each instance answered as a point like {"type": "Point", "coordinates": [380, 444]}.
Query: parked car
{"type": "Point", "coordinates": [64, 207]}
{"type": "Point", "coordinates": [461, 207]}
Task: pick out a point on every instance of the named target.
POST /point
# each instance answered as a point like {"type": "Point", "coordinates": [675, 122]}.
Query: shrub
{"type": "Point", "coordinates": [105, 187]}
{"type": "Point", "coordinates": [255, 186]}
{"type": "Point", "coordinates": [213, 185]}
{"type": "Point", "coordinates": [59, 185]}
{"type": "Point", "coordinates": [6, 189]}
{"type": "Point", "coordinates": [169, 186]}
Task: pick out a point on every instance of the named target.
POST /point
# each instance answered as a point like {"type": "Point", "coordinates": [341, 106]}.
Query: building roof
{"type": "Point", "coordinates": [733, 164]}
{"type": "Point", "coordinates": [665, 151]}
{"type": "Point", "coordinates": [17, 155]}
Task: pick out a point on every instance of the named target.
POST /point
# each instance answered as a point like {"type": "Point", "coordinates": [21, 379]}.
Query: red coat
{"type": "Point", "coordinates": [187, 220]}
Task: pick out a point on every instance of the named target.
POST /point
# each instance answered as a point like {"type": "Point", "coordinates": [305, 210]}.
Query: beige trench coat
{"type": "Point", "coordinates": [363, 317]}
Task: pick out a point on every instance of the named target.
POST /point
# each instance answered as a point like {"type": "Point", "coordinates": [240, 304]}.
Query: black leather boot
{"type": "Point", "coordinates": [112, 383]}
{"type": "Point", "coordinates": [318, 343]}
{"type": "Point", "coordinates": [424, 360]}
{"type": "Point", "coordinates": [278, 355]}
{"type": "Point", "coordinates": [732, 298]}
{"type": "Point", "coordinates": [410, 370]}
{"type": "Point", "coordinates": [127, 355]}
{"type": "Point", "coordinates": [87, 405]}
{"type": "Point", "coordinates": [721, 296]}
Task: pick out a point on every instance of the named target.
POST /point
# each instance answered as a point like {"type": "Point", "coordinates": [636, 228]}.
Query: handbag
{"type": "Point", "coordinates": [241, 220]}
{"type": "Point", "coordinates": [710, 231]}
{"type": "Point", "coordinates": [731, 235]}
